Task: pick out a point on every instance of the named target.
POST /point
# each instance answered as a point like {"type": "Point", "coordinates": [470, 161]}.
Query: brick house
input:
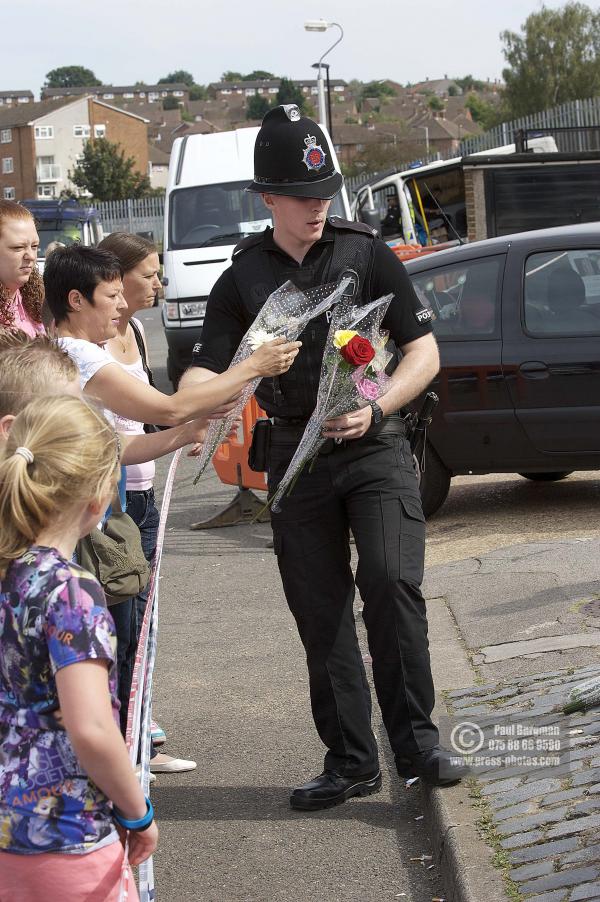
{"type": "Point", "coordinates": [11, 98]}
{"type": "Point", "coordinates": [145, 93]}
{"type": "Point", "coordinates": [40, 143]}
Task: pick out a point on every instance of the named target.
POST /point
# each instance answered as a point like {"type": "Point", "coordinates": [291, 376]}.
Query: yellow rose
{"type": "Point", "coordinates": [342, 336]}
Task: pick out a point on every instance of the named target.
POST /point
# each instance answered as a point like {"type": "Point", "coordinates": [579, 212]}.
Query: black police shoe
{"type": "Point", "coordinates": [331, 788]}
{"type": "Point", "coordinates": [436, 766]}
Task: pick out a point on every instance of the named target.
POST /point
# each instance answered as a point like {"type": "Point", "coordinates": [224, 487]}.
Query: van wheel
{"type": "Point", "coordinates": [434, 482]}
{"type": "Point", "coordinates": [547, 477]}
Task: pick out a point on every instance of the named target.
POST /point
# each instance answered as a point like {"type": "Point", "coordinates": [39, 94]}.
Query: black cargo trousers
{"type": "Point", "coordinates": [369, 486]}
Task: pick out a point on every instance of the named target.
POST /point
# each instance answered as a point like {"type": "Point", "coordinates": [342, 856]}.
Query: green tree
{"type": "Point", "coordinates": [468, 83]}
{"type": "Point", "coordinates": [556, 58]}
{"type": "Point", "coordinates": [290, 93]}
{"type": "Point", "coordinates": [435, 103]}
{"type": "Point", "coordinates": [198, 92]}
{"type": "Point", "coordinates": [257, 107]}
{"type": "Point", "coordinates": [486, 114]}
{"type": "Point", "coordinates": [232, 76]}
{"type": "Point", "coordinates": [257, 75]}
{"type": "Point", "coordinates": [452, 91]}
{"type": "Point", "coordinates": [170, 103]}
{"type": "Point", "coordinates": [107, 174]}
{"type": "Point", "coordinates": [180, 77]}
{"type": "Point", "coordinates": [71, 77]}
{"type": "Point", "coordinates": [378, 89]}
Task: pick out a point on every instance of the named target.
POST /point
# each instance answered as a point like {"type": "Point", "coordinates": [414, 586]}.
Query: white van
{"type": "Point", "coordinates": [208, 212]}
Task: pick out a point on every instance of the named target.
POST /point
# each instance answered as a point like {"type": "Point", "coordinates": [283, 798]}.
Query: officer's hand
{"type": "Point", "coordinates": [350, 425]}
{"type": "Point", "coordinates": [274, 357]}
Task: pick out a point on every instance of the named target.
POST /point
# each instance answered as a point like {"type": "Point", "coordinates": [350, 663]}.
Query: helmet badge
{"type": "Point", "coordinates": [313, 156]}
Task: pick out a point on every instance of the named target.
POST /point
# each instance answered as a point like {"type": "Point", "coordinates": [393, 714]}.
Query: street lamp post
{"type": "Point", "coordinates": [329, 116]}
{"type": "Point", "coordinates": [323, 25]}
{"type": "Point", "coordinates": [426, 128]}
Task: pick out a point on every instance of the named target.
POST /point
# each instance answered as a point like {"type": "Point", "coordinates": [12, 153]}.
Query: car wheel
{"type": "Point", "coordinates": [546, 477]}
{"type": "Point", "coordinates": [434, 482]}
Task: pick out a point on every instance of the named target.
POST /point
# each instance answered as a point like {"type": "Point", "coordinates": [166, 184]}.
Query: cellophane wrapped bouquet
{"type": "Point", "coordinates": [285, 314]}
{"type": "Point", "coordinates": [352, 374]}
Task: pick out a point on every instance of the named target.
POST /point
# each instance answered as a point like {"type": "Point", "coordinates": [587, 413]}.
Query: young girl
{"type": "Point", "coordinates": [66, 782]}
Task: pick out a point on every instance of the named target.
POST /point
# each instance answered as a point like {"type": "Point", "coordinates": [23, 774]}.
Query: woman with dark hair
{"type": "Point", "coordinates": [21, 286]}
{"type": "Point", "coordinates": [140, 266]}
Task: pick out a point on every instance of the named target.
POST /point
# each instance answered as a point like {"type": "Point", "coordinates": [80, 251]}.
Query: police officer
{"type": "Point", "coordinates": [363, 480]}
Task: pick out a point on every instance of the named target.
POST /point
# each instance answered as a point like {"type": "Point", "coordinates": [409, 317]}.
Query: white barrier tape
{"type": "Point", "coordinates": [139, 712]}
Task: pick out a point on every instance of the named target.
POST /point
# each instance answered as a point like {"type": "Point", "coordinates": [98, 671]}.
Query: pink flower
{"type": "Point", "coordinates": [368, 389]}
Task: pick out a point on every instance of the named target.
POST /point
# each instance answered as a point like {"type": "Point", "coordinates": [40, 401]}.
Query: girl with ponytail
{"type": "Point", "coordinates": [68, 792]}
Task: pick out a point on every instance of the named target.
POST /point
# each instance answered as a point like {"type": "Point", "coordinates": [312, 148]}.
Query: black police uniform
{"type": "Point", "coordinates": [367, 485]}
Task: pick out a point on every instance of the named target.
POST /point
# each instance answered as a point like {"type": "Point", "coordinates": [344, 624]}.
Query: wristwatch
{"type": "Point", "coordinates": [376, 411]}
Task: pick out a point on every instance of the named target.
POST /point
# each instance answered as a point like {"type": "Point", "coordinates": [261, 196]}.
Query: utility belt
{"type": "Point", "coordinates": [283, 431]}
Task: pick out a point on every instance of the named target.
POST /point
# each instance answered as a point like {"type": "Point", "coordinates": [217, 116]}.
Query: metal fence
{"type": "Point", "coordinates": [574, 126]}
{"type": "Point", "coordinates": [142, 215]}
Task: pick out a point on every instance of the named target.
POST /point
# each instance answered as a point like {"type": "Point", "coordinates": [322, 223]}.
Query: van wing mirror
{"type": "Point", "coordinates": [370, 218]}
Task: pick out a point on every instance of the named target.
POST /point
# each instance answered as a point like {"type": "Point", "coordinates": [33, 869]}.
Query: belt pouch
{"type": "Point", "coordinates": [258, 455]}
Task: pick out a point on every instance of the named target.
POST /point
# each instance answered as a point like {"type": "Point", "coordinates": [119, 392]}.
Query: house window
{"type": "Point", "coordinates": [142, 93]}
{"type": "Point", "coordinates": [127, 96]}
{"type": "Point", "coordinates": [9, 194]}
{"type": "Point", "coordinates": [7, 165]}
{"type": "Point", "coordinates": [108, 96]}
{"type": "Point", "coordinates": [81, 131]}
{"type": "Point", "coordinates": [164, 93]}
{"type": "Point", "coordinates": [45, 191]}
{"type": "Point", "coordinates": [152, 96]}
{"type": "Point", "coordinates": [272, 90]}
{"type": "Point", "coordinates": [100, 131]}
{"type": "Point", "coordinates": [250, 92]}
{"type": "Point", "coordinates": [6, 136]}
{"type": "Point", "coordinates": [177, 93]}
{"type": "Point", "coordinates": [44, 131]}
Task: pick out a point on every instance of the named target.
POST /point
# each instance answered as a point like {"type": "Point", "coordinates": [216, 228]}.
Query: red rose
{"type": "Point", "coordinates": [358, 351]}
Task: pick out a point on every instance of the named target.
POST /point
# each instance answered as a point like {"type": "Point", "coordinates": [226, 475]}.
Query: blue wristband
{"type": "Point", "coordinates": [142, 823]}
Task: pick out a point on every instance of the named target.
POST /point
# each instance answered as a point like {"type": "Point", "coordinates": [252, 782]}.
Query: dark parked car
{"type": "Point", "coordinates": [517, 320]}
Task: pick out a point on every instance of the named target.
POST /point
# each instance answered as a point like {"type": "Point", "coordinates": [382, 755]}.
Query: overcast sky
{"type": "Point", "coordinates": [124, 41]}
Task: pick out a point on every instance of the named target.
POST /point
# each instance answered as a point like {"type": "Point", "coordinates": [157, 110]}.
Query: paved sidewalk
{"type": "Point", "coordinates": [509, 631]}
{"type": "Point", "coordinates": [527, 620]}
{"type": "Point", "coordinates": [231, 692]}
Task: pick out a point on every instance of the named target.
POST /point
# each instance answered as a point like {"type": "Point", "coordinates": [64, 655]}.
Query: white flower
{"type": "Point", "coordinates": [258, 337]}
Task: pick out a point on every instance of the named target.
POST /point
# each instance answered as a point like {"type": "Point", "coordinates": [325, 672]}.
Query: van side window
{"type": "Point", "coordinates": [464, 298]}
{"type": "Point", "coordinates": [562, 293]}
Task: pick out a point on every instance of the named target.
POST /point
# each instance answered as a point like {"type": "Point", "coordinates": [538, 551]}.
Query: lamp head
{"type": "Point", "coordinates": [316, 25]}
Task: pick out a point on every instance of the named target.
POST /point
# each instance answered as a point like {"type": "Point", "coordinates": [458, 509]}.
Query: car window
{"type": "Point", "coordinates": [464, 298]}
{"type": "Point", "coordinates": [562, 293]}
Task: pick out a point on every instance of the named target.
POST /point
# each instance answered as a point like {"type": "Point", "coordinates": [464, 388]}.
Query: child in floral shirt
{"type": "Point", "coordinates": [65, 775]}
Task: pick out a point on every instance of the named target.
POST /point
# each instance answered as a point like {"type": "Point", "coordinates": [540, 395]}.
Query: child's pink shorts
{"type": "Point", "coordinates": [94, 877]}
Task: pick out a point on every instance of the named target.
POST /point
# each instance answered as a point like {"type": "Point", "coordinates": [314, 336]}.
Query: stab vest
{"type": "Point", "coordinates": [294, 394]}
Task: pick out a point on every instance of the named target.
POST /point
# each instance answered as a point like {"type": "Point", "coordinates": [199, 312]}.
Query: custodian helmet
{"type": "Point", "coordinates": [292, 157]}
